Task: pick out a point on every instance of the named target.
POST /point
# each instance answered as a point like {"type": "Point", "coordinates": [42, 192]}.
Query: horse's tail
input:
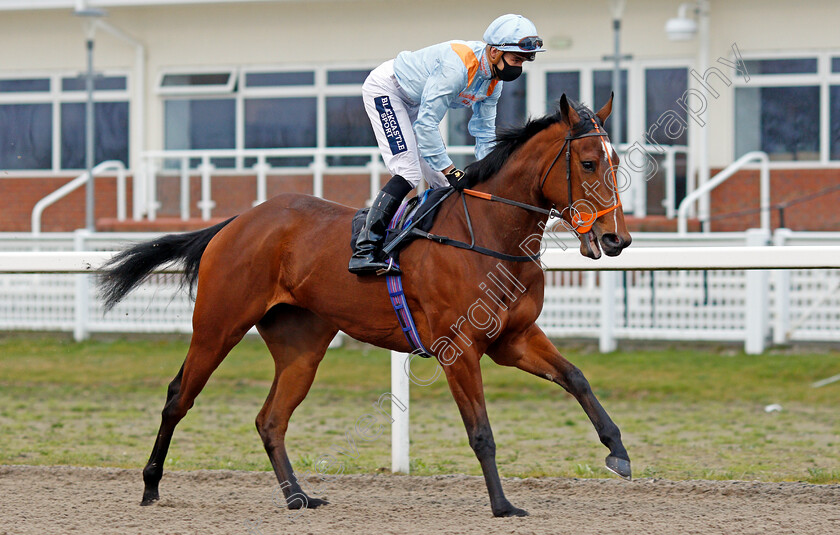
{"type": "Point", "coordinates": [129, 268]}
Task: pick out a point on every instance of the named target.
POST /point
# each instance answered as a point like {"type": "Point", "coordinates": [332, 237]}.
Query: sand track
{"type": "Point", "coordinates": [105, 500]}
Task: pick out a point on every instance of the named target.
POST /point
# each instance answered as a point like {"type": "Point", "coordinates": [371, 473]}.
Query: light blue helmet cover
{"type": "Point", "coordinates": [508, 30]}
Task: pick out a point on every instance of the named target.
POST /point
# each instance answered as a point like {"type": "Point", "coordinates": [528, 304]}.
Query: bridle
{"type": "Point", "coordinates": [580, 224]}
{"type": "Point", "coordinates": [581, 221]}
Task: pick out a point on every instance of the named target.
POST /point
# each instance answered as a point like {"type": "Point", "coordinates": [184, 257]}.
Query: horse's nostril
{"type": "Point", "coordinates": [611, 240]}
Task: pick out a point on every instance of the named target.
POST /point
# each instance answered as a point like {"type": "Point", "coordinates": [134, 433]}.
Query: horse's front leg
{"type": "Point", "coordinates": [533, 352]}
{"type": "Point", "coordinates": [464, 378]}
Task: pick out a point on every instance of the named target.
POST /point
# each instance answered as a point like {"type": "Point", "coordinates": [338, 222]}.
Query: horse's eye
{"type": "Point", "coordinates": [589, 166]}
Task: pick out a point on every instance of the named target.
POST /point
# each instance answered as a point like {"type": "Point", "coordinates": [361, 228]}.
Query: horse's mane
{"type": "Point", "coordinates": [510, 139]}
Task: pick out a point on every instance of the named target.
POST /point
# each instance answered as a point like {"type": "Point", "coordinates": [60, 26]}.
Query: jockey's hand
{"type": "Point", "coordinates": [457, 179]}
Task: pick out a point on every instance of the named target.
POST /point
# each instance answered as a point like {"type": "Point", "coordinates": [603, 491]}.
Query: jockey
{"type": "Point", "coordinates": [406, 99]}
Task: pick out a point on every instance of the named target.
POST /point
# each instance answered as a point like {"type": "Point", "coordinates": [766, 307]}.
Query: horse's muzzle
{"type": "Point", "coordinates": [613, 244]}
{"type": "Point", "coordinates": [610, 243]}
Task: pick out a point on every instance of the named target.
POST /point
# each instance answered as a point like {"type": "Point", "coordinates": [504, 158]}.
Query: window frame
{"type": "Point", "coordinates": [823, 79]}
{"type": "Point", "coordinates": [56, 97]}
{"type": "Point", "coordinates": [213, 89]}
{"type": "Point", "coordinates": [240, 92]}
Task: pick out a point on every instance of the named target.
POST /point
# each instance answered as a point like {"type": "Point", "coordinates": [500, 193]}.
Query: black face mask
{"type": "Point", "coordinates": [509, 73]}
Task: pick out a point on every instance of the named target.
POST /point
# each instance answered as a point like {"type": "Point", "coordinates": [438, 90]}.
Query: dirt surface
{"type": "Point", "coordinates": [106, 500]}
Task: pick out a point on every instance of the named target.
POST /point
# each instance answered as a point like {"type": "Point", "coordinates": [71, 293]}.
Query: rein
{"type": "Point", "coordinates": [579, 224]}
{"type": "Point", "coordinates": [477, 248]}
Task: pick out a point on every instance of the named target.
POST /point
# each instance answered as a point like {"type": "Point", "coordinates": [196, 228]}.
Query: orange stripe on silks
{"type": "Point", "coordinates": [468, 57]}
{"type": "Point", "coordinates": [492, 87]}
{"type": "Point", "coordinates": [479, 194]}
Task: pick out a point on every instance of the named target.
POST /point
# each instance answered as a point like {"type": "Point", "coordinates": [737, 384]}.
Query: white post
{"type": "Point", "coordinates": [80, 301]}
{"type": "Point", "coordinates": [607, 342]}
{"type": "Point", "coordinates": [121, 204]}
{"type": "Point", "coordinates": [185, 188]}
{"type": "Point", "coordinates": [670, 184]}
{"type": "Point", "coordinates": [206, 203]}
{"type": "Point", "coordinates": [781, 282]}
{"type": "Point", "coordinates": [757, 313]}
{"type": "Point", "coordinates": [399, 427]}
{"type": "Point", "coordinates": [152, 203]}
{"type": "Point", "coordinates": [261, 167]}
{"type": "Point", "coordinates": [375, 170]}
{"type": "Point", "coordinates": [703, 170]}
{"type": "Point", "coordinates": [317, 167]}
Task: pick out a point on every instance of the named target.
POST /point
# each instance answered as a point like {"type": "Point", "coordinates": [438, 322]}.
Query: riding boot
{"type": "Point", "coordinates": [368, 255]}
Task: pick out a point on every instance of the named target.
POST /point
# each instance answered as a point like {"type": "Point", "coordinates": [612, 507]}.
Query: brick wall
{"type": "Point", "coordinates": [741, 193]}
{"type": "Point", "coordinates": [232, 195]}
{"type": "Point", "coordinates": [235, 194]}
{"type": "Point", "coordinates": [18, 197]}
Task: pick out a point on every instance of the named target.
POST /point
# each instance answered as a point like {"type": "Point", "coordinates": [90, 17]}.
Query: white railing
{"type": "Point", "coordinates": [66, 189]}
{"type": "Point", "coordinates": [187, 164]}
{"type": "Point", "coordinates": [679, 303]}
{"type": "Point", "coordinates": [718, 179]}
{"type": "Point", "coordinates": [709, 303]}
{"type": "Point", "coordinates": [157, 163]}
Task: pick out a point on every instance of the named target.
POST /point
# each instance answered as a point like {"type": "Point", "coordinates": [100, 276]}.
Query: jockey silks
{"type": "Point", "coordinates": [454, 74]}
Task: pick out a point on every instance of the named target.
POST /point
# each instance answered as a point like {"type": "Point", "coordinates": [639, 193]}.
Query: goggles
{"type": "Point", "coordinates": [528, 44]}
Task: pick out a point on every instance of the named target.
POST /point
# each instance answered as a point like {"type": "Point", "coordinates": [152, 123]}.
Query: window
{"type": "Point", "coordinates": [110, 139]}
{"type": "Point", "coordinates": [664, 87]}
{"type": "Point", "coordinates": [27, 127]}
{"type": "Point", "coordinates": [512, 109]}
{"type": "Point", "coordinates": [264, 108]}
{"type": "Point", "coordinates": [602, 86]}
{"type": "Point", "coordinates": [834, 145]}
{"type": "Point", "coordinates": [781, 66]}
{"type": "Point", "coordinates": [281, 123]}
{"type": "Point", "coordinates": [100, 83]}
{"type": "Point", "coordinates": [348, 126]}
{"type": "Point", "coordinates": [200, 124]}
{"type": "Point", "coordinates": [557, 83]}
{"type": "Point", "coordinates": [783, 107]}
{"type": "Point", "coordinates": [279, 79]}
{"type": "Point", "coordinates": [25, 136]}
{"type": "Point", "coordinates": [781, 121]}
{"type": "Point", "coordinates": [347, 77]}
{"type": "Point", "coordinates": [196, 82]}
{"type": "Point", "coordinates": [25, 85]}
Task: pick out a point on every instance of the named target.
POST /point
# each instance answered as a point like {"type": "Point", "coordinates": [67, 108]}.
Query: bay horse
{"type": "Point", "coordinates": [282, 267]}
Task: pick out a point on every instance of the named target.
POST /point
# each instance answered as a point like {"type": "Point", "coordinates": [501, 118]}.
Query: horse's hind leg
{"type": "Point", "coordinates": [297, 340]}
{"type": "Point", "coordinates": [214, 335]}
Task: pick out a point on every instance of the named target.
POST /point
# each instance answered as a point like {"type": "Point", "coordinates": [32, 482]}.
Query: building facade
{"type": "Point", "coordinates": [213, 106]}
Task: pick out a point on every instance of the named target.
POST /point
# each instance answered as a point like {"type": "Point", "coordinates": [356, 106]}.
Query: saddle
{"type": "Point", "coordinates": [416, 215]}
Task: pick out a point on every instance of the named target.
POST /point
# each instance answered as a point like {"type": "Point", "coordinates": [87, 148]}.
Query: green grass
{"type": "Point", "coordinates": [683, 414]}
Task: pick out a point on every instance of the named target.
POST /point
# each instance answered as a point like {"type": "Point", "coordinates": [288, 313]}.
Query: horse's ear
{"type": "Point", "coordinates": [605, 112]}
{"type": "Point", "coordinates": [568, 113]}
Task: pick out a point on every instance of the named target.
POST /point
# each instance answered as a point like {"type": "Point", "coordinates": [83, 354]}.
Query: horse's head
{"type": "Point", "coordinates": [582, 180]}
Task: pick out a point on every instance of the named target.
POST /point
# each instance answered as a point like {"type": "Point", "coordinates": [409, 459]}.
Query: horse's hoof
{"type": "Point", "coordinates": [308, 503]}
{"type": "Point", "coordinates": [315, 503]}
{"type": "Point", "coordinates": [510, 510]}
{"type": "Point", "coordinates": [619, 467]}
{"type": "Point", "coordinates": [150, 497]}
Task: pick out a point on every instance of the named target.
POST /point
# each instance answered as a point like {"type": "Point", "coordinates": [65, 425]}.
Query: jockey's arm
{"type": "Point", "coordinates": [441, 88]}
{"type": "Point", "coordinates": [482, 125]}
